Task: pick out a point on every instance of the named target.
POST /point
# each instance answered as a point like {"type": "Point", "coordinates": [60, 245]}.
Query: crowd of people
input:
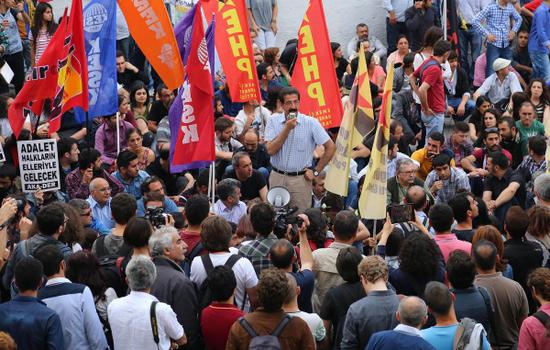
{"type": "Point", "coordinates": [129, 255]}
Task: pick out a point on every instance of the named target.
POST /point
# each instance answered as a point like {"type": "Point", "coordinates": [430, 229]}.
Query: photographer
{"type": "Point", "coordinates": [19, 225]}
{"type": "Point", "coordinates": [8, 173]}
{"type": "Point", "coordinates": [155, 184]}
{"type": "Point", "coordinates": [153, 202]}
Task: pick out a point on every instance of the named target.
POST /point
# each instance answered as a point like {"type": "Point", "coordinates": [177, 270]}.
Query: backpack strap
{"type": "Point", "coordinates": [100, 249]}
{"type": "Point", "coordinates": [207, 263]}
{"type": "Point", "coordinates": [458, 335]}
{"type": "Point", "coordinates": [431, 62]}
{"type": "Point", "coordinates": [25, 248]}
{"type": "Point", "coordinates": [232, 260]}
{"type": "Point", "coordinates": [542, 317]}
{"type": "Point", "coordinates": [278, 330]}
{"type": "Point", "coordinates": [154, 323]}
{"type": "Point", "coordinates": [490, 312]}
{"type": "Point", "coordinates": [195, 251]}
{"type": "Point", "coordinates": [247, 327]}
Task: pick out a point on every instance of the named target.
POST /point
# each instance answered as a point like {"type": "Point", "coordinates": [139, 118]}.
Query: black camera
{"type": "Point", "coordinates": [156, 216]}
{"type": "Point", "coordinates": [284, 217]}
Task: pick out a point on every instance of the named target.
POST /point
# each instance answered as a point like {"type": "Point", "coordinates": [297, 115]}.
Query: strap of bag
{"type": "Point", "coordinates": [26, 249]}
{"type": "Point", "coordinates": [207, 263]}
{"type": "Point", "coordinates": [490, 312]}
{"type": "Point", "coordinates": [232, 260]}
{"type": "Point", "coordinates": [281, 325]}
{"type": "Point", "coordinates": [247, 327]}
{"type": "Point", "coordinates": [458, 335]}
{"type": "Point", "coordinates": [542, 317]}
{"type": "Point", "coordinates": [195, 251]}
{"type": "Point", "coordinates": [154, 324]}
{"type": "Point", "coordinates": [100, 246]}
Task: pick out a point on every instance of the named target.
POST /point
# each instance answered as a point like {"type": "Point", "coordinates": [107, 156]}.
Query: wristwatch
{"type": "Point", "coordinates": [315, 172]}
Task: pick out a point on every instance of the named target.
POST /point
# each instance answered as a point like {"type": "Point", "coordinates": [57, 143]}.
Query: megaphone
{"type": "Point", "coordinates": [278, 196]}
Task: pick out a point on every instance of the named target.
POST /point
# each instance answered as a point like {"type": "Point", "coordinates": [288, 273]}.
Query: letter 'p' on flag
{"type": "Point", "coordinates": [314, 73]}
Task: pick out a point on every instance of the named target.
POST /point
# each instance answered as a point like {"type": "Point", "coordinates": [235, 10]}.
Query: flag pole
{"type": "Point", "coordinates": [88, 130]}
{"type": "Point", "coordinates": [117, 133]}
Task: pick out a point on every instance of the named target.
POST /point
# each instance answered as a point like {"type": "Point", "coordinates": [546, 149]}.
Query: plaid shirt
{"type": "Point", "coordinates": [458, 180]}
{"type": "Point", "coordinates": [257, 252]}
{"type": "Point", "coordinates": [497, 22]}
{"type": "Point", "coordinates": [532, 167]}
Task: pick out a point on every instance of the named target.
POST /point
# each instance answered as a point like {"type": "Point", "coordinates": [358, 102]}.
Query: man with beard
{"type": "Point", "coordinates": [67, 150]}
{"type": "Point", "coordinates": [444, 181]}
{"type": "Point", "coordinates": [225, 144]}
{"type": "Point", "coordinates": [89, 167]}
{"type": "Point", "coordinates": [476, 164]}
{"type": "Point", "coordinates": [291, 138]}
{"type": "Point", "coordinates": [160, 107]}
{"type": "Point", "coordinates": [253, 184]}
{"type": "Point", "coordinates": [512, 140]}
{"type": "Point", "coordinates": [405, 177]}
{"type": "Point", "coordinates": [257, 153]}
{"type": "Point", "coordinates": [425, 156]}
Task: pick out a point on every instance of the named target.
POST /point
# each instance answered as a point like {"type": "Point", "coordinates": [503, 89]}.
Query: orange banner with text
{"type": "Point", "coordinates": [235, 51]}
{"type": "Point", "coordinates": [314, 73]}
{"type": "Point", "coordinates": [150, 27]}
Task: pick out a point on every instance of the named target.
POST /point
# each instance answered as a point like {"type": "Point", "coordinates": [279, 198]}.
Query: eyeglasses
{"type": "Point", "coordinates": [410, 172]}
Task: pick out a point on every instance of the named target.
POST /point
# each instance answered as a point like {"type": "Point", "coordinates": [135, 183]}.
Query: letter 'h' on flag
{"type": "Point", "coordinates": [314, 73]}
{"type": "Point", "coordinates": [61, 75]}
{"type": "Point", "coordinates": [372, 202]}
{"type": "Point", "coordinates": [192, 113]}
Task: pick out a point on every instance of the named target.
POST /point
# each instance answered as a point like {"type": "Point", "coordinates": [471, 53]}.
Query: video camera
{"type": "Point", "coordinates": [279, 197]}
{"type": "Point", "coordinates": [156, 217]}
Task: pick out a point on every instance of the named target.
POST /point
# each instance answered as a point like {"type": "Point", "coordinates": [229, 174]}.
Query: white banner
{"type": "Point", "coordinates": [38, 165]}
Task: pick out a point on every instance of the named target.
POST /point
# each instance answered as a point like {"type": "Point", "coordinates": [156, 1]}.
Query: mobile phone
{"type": "Point", "coordinates": [292, 115]}
{"type": "Point", "coordinates": [401, 213]}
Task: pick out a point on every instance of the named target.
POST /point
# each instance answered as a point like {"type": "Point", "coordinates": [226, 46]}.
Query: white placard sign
{"type": "Point", "coordinates": [38, 165]}
{"type": "Point", "coordinates": [2, 155]}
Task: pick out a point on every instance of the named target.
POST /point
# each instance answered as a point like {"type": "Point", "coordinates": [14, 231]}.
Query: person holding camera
{"type": "Point", "coordinates": [291, 138]}
{"type": "Point", "coordinates": [155, 211]}
{"type": "Point", "coordinates": [155, 184]}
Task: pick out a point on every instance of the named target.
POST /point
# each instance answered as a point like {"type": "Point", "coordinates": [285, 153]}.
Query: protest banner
{"type": "Point", "coordinates": [38, 165]}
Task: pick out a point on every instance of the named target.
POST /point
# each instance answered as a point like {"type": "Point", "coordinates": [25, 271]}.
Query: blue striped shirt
{"type": "Point", "coordinates": [539, 38]}
{"type": "Point", "coordinates": [498, 20]}
{"type": "Point", "coordinates": [296, 154]}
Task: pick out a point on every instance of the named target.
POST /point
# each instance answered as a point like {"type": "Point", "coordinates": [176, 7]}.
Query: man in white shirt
{"type": "Point", "coordinates": [215, 236]}
{"type": "Point", "coordinates": [100, 201]}
{"type": "Point", "coordinates": [229, 206]}
{"type": "Point", "coordinates": [130, 317]}
{"type": "Point", "coordinates": [501, 85]}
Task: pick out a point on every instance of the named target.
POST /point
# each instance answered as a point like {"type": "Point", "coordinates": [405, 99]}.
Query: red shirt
{"type": "Point", "coordinates": [433, 75]}
{"type": "Point", "coordinates": [533, 5]}
{"type": "Point", "coordinates": [216, 321]}
{"type": "Point", "coordinates": [191, 239]}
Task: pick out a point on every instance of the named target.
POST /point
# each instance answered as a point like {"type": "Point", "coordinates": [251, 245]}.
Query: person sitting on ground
{"type": "Point", "coordinates": [441, 219]}
{"type": "Point", "coordinates": [445, 181]}
{"type": "Point", "coordinates": [465, 210]}
{"type": "Point", "coordinates": [229, 205]}
{"type": "Point", "coordinates": [434, 146]}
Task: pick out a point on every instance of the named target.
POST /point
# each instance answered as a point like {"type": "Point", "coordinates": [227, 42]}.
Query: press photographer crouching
{"type": "Point", "coordinates": [153, 202]}
{"type": "Point", "coordinates": [155, 184]}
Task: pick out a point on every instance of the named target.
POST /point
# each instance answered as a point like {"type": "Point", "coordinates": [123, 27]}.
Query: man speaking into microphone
{"type": "Point", "coordinates": [291, 138]}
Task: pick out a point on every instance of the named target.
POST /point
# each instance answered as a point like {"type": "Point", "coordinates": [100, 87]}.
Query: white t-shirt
{"type": "Point", "coordinates": [314, 323]}
{"type": "Point", "coordinates": [244, 273]}
{"type": "Point", "coordinates": [261, 115]}
{"type": "Point", "coordinates": [131, 324]}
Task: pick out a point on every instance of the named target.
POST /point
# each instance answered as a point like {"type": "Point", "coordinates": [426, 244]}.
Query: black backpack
{"type": "Point", "coordinates": [265, 342]}
{"type": "Point", "coordinates": [111, 266]}
{"type": "Point", "coordinates": [205, 294]}
{"type": "Point", "coordinates": [186, 264]}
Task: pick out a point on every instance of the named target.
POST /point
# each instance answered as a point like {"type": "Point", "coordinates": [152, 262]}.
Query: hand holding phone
{"type": "Point", "coordinates": [401, 213]}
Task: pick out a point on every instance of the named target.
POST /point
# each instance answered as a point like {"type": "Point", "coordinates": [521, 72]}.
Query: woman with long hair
{"type": "Point", "coordinates": [340, 63]}
{"type": "Point", "coordinates": [42, 30]}
{"type": "Point", "coordinates": [139, 103]}
{"type": "Point", "coordinates": [482, 104]}
{"type": "Point", "coordinates": [493, 235]}
{"type": "Point", "coordinates": [538, 230]}
{"type": "Point", "coordinates": [490, 120]}
{"type": "Point", "coordinates": [420, 262]}
{"type": "Point", "coordinates": [134, 140]}
{"type": "Point", "coordinates": [539, 96]}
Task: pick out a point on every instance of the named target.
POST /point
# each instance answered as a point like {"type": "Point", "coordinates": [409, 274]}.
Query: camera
{"type": "Point", "coordinates": [284, 217]}
{"type": "Point", "coordinates": [156, 216]}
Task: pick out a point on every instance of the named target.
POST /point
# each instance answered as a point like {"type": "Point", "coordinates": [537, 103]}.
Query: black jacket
{"type": "Point", "coordinates": [175, 289]}
{"type": "Point", "coordinates": [418, 22]}
{"type": "Point", "coordinates": [462, 83]}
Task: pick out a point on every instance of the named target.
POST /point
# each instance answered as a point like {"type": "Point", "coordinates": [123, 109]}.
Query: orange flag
{"type": "Point", "coordinates": [150, 27]}
{"type": "Point", "coordinates": [314, 73]}
{"type": "Point", "coordinates": [235, 50]}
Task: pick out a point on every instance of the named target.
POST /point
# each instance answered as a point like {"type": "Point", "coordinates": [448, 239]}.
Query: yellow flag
{"type": "Point", "coordinates": [372, 203]}
{"type": "Point", "coordinates": [338, 172]}
{"type": "Point", "coordinates": [361, 99]}
{"type": "Point", "coordinates": [357, 122]}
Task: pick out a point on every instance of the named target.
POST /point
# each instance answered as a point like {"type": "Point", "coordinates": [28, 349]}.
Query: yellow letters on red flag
{"type": "Point", "coordinates": [235, 51]}
{"type": "Point", "coordinates": [314, 74]}
{"type": "Point", "coordinates": [372, 202]}
{"type": "Point", "coordinates": [150, 27]}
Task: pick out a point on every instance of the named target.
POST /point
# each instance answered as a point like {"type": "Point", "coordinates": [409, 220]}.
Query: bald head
{"type": "Point", "coordinates": [281, 254]}
{"type": "Point", "coordinates": [416, 196]}
{"type": "Point", "coordinates": [251, 141]}
{"type": "Point", "coordinates": [412, 312]}
{"type": "Point", "coordinates": [100, 190]}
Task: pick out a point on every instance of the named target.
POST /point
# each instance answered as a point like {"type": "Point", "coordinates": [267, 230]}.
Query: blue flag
{"type": "Point", "coordinates": [100, 41]}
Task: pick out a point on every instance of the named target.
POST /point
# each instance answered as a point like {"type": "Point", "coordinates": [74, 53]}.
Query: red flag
{"type": "Point", "coordinates": [195, 141]}
{"type": "Point", "coordinates": [61, 75]}
{"type": "Point", "coordinates": [235, 50]}
{"type": "Point", "coordinates": [314, 73]}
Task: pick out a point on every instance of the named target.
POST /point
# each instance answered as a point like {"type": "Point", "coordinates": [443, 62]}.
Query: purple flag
{"type": "Point", "coordinates": [183, 33]}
